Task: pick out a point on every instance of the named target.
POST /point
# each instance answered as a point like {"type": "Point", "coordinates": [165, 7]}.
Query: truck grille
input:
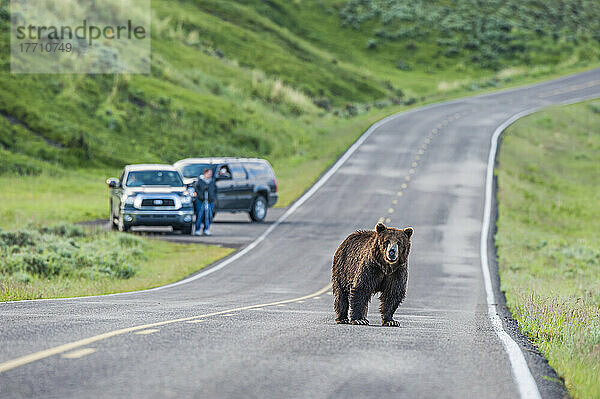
{"type": "Point", "coordinates": [158, 202]}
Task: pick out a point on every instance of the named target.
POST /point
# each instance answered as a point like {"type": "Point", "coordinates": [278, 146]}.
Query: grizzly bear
{"type": "Point", "coordinates": [368, 262]}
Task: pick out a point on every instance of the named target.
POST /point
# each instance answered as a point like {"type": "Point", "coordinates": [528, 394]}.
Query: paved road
{"type": "Point", "coordinates": [425, 169]}
{"type": "Point", "coordinates": [232, 230]}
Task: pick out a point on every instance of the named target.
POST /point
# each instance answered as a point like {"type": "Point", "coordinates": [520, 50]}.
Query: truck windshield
{"type": "Point", "coordinates": [154, 178]}
{"type": "Point", "coordinates": [195, 170]}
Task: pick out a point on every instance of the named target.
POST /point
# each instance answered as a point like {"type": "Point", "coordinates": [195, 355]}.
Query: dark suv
{"type": "Point", "coordinates": [150, 195]}
{"type": "Point", "coordinates": [243, 185]}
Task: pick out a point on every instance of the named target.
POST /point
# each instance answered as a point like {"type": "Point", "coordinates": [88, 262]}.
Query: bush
{"type": "Point", "coordinates": [403, 66]}
{"type": "Point", "coordinates": [64, 230]}
{"type": "Point", "coordinates": [488, 30]}
{"type": "Point", "coordinates": [68, 251]}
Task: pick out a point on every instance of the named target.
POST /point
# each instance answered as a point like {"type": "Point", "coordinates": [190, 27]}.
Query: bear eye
{"type": "Point", "coordinates": [386, 243]}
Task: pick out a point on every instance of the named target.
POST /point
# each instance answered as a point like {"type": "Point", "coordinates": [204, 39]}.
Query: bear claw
{"type": "Point", "coordinates": [360, 322]}
{"type": "Point", "coordinates": [391, 323]}
{"type": "Point", "coordinates": [342, 321]}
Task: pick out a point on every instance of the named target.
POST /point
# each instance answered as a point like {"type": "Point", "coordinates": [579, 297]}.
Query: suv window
{"type": "Point", "coordinates": [195, 169]}
{"type": "Point", "coordinates": [258, 169]}
{"type": "Point", "coordinates": [238, 171]}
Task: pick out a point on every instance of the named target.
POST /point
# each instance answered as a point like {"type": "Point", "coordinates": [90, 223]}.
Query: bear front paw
{"type": "Point", "coordinates": [391, 323]}
{"type": "Point", "coordinates": [342, 321]}
{"type": "Point", "coordinates": [360, 322]}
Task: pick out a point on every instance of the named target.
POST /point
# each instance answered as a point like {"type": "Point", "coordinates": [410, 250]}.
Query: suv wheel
{"type": "Point", "coordinates": [259, 209]}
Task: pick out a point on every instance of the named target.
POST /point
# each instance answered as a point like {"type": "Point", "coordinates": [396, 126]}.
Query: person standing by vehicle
{"type": "Point", "coordinates": [206, 195]}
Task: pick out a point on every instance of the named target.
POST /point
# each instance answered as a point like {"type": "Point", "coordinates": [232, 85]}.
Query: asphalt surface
{"type": "Point", "coordinates": [232, 230]}
{"type": "Point", "coordinates": [446, 346]}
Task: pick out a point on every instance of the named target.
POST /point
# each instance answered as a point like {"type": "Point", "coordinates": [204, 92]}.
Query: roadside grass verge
{"type": "Point", "coordinates": [67, 261]}
{"type": "Point", "coordinates": [50, 198]}
{"type": "Point", "coordinates": [548, 238]}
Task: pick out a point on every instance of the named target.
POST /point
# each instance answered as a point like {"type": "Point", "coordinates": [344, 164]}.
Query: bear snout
{"type": "Point", "coordinates": [392, 253]}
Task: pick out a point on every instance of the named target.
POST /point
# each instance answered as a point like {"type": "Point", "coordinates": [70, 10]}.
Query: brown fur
{"type": "Point", "coordinates": [363, 265]}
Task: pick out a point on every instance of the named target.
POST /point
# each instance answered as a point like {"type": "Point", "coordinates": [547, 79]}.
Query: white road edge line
{"type": "Point", "coordinates": [520, 369]}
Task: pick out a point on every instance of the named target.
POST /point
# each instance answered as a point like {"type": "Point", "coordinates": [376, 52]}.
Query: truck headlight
{"type": "Point", "coordinates": [186, 200]}
{"type": "Point", "coordinates": [129, 200]}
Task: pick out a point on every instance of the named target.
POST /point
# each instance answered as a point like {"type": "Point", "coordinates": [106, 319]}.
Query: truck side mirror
{"type": "Point", "coordinates": [112, 183]}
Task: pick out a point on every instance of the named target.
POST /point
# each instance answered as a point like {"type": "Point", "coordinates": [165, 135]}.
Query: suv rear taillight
{"type": "Point", "coordinates": [276, 185]}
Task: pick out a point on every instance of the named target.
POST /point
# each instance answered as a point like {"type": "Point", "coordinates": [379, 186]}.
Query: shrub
{"type": "Point", "coordinates": [403, 66]}
{"type": "Point", "coordinates": [68, 251]}
{"type": "Point", "coordinates": [480, 26]}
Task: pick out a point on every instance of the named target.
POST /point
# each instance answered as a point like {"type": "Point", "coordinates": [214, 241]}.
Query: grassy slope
{"type": "Point", "coordinates": [67, 260]}
{"type": "Point", "coordinates": [228, 77]}
{"type": "Point", "coordinates": [548, 238]}
{"type": "Point", "coordinates": [166, 263]}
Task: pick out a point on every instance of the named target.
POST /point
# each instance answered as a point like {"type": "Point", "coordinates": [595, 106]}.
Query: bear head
{"type": "Point", "coordinates": [393, 246]}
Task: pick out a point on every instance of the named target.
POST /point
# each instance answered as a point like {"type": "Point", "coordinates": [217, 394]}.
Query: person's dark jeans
{"type": "Point", "coordinates": [200, 215]}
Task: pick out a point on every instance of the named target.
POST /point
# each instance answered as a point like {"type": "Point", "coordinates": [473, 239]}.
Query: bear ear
{"type": "Point", "coordinates": [409, 231]}
{"type": "Point", "coordinates": [380, 227]}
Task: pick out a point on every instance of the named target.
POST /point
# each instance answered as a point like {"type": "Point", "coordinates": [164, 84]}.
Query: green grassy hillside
{"type": "Point", "coordinates": [292, 81]}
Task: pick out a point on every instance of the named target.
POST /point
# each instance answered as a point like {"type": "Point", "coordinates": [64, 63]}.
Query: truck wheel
{"type": "Point", "coordinates": [187, 230]}
{"type": "Point", "coordinates": [259, 209]}
{"type": "Point", "coordinates": [113, 225]}
{"type": "Point", "coordinates": [123, 226]}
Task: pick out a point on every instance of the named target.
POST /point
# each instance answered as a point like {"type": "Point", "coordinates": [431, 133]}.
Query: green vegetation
{"type": "Point", "coordinates": [548, 238]}
{"type": "Point", "coordinates": [275, 79]}
{"type": "Point", "coordinates": [295, 82]}
{"type": "Point", "coordinates": [68, 260]}
{"type": "Point", "coordinates": [491, 33]}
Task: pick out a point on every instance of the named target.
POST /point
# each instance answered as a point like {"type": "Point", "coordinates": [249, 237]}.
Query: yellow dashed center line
{"type": "Point", "coordinates": [403, 186]}
{"type": "Point", "coordinates": [399, 194]}
{"type": "Point", "coordinates": [33, 357]}
{"type": "Point", "coordinates": [79, 353]}
{"type": "Point", "coordinates": [407, 178]}
{"type": "Point", "coordinates": [148, 331]}
{"type": "Point", "coordinates": [388, 220]}
{"type": "Point", "coordinates": [570, 89]}
{"type": "Point", "coordinates": [395, 202]}
{"type": "Point", "coordinates": [391, 210]}
{"type": "Point", "coordinates": [414, 164]}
